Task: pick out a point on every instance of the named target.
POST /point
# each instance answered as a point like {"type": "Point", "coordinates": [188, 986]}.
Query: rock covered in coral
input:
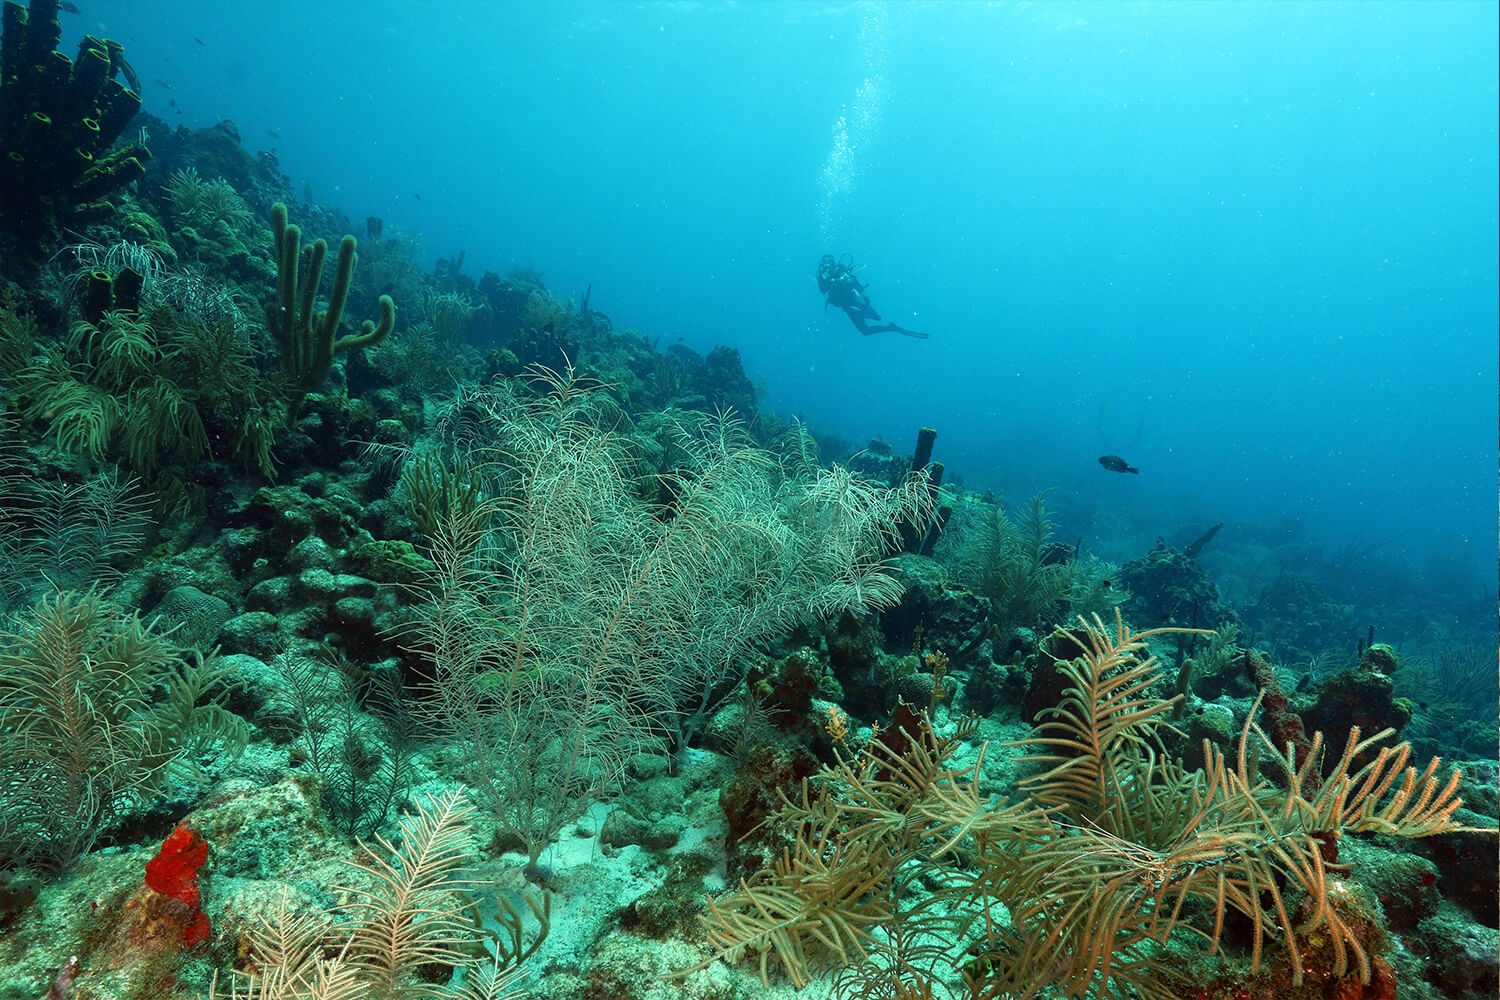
{"type": "Point", "coordinates": [1463, 957]}
{"type": "Point", "coordinates": [1405, 884]}
{"type": "Point", "coordinates": [1048, 684]}
{"type": "Point", "coordinates": [1362, 698]}
{"type": "Point", "coordinates": [1379, 658]}
{"type": "Point", "coordinates": [213, 151]}
{"type": "Point", "coordinates": [197, 617]}
{"type": "Point", "coordinates": [1467, 874]}
{"type": "Point", "coordinates": [949, 617]}
{"type": "Point", "coordinates": [725, 383]}
{"type": "Point", "coordinates": [129, 934]}
{"type": "Point", "coordinates": [18, 890]}
{"type": "Point", "coordinates": [762, 767]}
{"type": "Point", "coordinates": [1168, 588]}
{"type": "Point", "coordinates": [715, 383]}
{"type": "Point", "coordinates": [1208, 724]}
{"type": "Point", "coordinates": [649, 817]}
{"type": "Point", "coordinates": [1298, 612]}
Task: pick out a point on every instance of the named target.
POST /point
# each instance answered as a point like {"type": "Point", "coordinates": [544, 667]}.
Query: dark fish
{"type": "Point", "coordinates": [1114, 463]}
{"type": "Point", "coordinates": [131, 80]}
{"type": "Point", "coordinates": [172, 102]}
{"type": "Point", "coordinates": [69, 7]}
{"type": "Point", "coordinates": [416, 196]}
{"type": "Point", "coordinates": [200, 41]}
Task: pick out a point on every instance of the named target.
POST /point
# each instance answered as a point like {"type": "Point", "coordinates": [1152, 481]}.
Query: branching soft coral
{"type": "Point", "coordinates": [577, 622]}
{"type": "Point", "coordinates": [85, 734]}
{"type": "Point", "coordinates": [901, 866]}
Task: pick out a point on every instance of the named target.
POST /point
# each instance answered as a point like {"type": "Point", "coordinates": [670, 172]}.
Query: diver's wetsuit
{"type": "Point", "coordinates": [841, 288]}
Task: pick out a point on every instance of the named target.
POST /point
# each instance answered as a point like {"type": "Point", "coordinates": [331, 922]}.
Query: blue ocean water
{"type": "Point", "coordinates": [1251, 246]}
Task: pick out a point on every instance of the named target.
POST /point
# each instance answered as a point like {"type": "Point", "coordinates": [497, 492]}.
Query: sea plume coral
{"type": "Point", "coordinates": [901, 865]}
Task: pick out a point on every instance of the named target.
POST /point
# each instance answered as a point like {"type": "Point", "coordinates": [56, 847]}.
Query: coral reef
{"type": "Point", "coordinates": [59, 122]}
{"type": "Point", "coordinates": [347, 666]}
{"type": "Point", "coordinates": [1093, 863]}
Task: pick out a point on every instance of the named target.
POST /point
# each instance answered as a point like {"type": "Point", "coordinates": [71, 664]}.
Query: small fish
{"type": "Point", "coordinates": [71, 8]}
{"type": "Point", "coordinates": [62, 986]}
{"type": "Point", "coordinates": [172, 102]}
{"type": "Point", "coordinates": [131, 80]}
{"type": "Point", "coordinates": [273, 133]}
{"type": "Point", "coordinates": [1114, 463]}
{"type": "Point", "coordinates": [164, 84]}
{"type": "Point", "coordinates": [416, 196]}
{"type": "Point", "coordinates": [200, 41]}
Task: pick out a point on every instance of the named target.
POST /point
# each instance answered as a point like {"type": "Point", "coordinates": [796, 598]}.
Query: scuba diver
{"type": "Point", "coordinates": [837, 282]}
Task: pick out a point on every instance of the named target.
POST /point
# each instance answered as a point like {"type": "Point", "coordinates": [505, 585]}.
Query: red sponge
{"type": "Point", "coordinates": [174, 873]}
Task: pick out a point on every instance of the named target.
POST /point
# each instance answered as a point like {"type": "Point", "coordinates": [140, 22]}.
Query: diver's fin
{"type": "Point", "coordinates": [889, 327]}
